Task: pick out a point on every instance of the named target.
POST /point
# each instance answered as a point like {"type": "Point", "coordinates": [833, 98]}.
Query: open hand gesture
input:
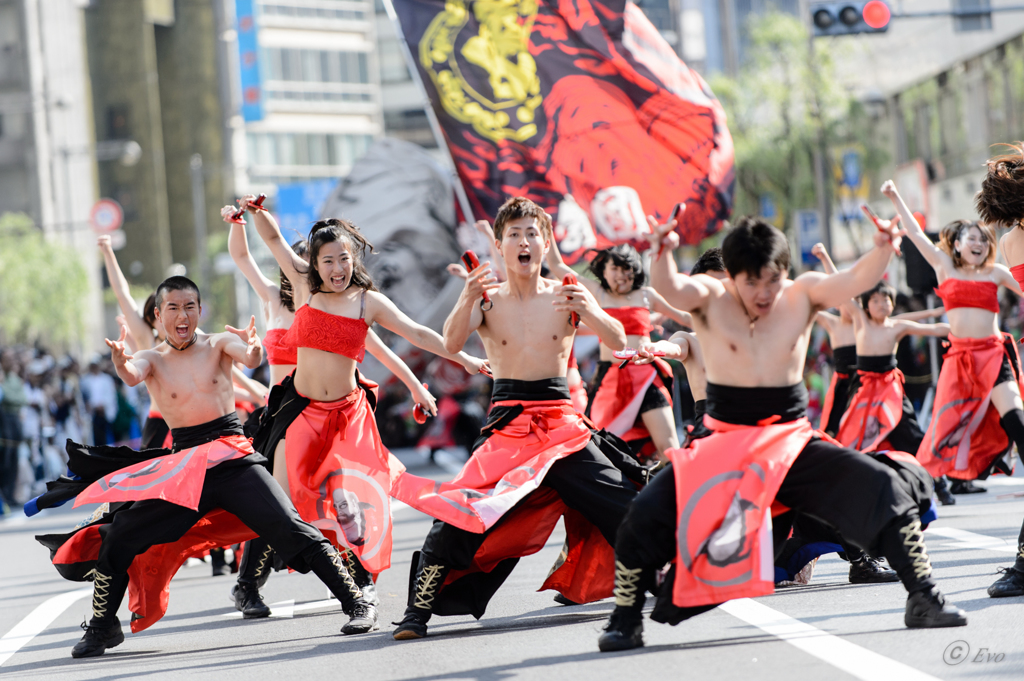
{"type": "Point", "coordinates": [662, 236]}
{"type": "Point", "coordinates": [119, 354]}
{"type": "Point", "coordinates": [480, 281]}
{"type": "Point", "coordinates": [254, 347]}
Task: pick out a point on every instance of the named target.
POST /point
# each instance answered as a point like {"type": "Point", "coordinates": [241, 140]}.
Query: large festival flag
{"type": "Point", "coordinates": [579, 105]}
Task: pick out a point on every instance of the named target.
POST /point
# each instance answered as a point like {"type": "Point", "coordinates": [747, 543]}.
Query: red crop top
{"type": "Point", "coordinates": [1018, 273]}
{"type": "Point", "coordinates": [636, 321]}
{"type": "Point", "coordinates": [278, 351]}
{"type": "Point", "coordinates": [966, 293]}
{"type": "Point", "coordinates": [321, 330]}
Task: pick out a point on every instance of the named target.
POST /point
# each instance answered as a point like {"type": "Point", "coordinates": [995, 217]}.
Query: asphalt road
{"type": "Point", "coordinates": [829, 629]}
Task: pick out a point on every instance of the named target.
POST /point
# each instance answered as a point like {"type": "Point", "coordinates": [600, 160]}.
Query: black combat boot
{"type": "Point", "coordinates": [328, 564]}
{"type": "Point", "coordinates": [625, 628]}
{"type": "Point", "coordinates": [362, 577]}
{"type": "Point", "coordinates": [868, 570]}
{"type": "Point", "coordinates": [104, 629]}
{"type": "Point", "coordinates": [255, 570]}
{"type": "Point", "coordinates": [425, 582]}
{"type": "Point", "coordinates": [1012, 581]}
{"type": "Point", "coordinates": [903, 545]}
{"type": "Point", "coordinates": [946, 498]}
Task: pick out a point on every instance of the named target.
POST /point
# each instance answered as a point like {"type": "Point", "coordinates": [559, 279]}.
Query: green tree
{"type": "Point", "coordinates": [42, 285]}
{"type": "Point", "coordinates": [782, 105]}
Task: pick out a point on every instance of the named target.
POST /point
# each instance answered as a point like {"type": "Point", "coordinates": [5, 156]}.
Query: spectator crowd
{"type": "Point", "coordinates": [45, 401]}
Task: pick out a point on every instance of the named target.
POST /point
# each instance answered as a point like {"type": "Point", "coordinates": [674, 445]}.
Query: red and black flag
{"type": "Point", "coordinates": [578, 105]}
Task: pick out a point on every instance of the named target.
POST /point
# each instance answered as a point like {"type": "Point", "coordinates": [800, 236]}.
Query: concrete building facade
{"type": "Point", "coordinates": [48, 157]}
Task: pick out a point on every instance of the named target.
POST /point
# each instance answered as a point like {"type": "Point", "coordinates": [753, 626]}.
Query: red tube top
{"type": "Point", "coordinates": [965, 293]}
{"type": "Point", "coordinates": [1018, 273]}
{"type": "Point", "coordinates": [321, 330]}
{"type": "Point", "coordinates": [278, 351]}
{"type": "Point", "coordinates": [636, 321]}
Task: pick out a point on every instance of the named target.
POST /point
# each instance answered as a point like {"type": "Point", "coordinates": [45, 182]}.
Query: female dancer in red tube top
{"type": "Point", "coordinates": [635, 401]}
{"type": "Point", "coordinates": [978, 413]}
{"type": "Point", "coordinates": [1001, 202]}
{"type": "Point", "coordinates": [279, 306]}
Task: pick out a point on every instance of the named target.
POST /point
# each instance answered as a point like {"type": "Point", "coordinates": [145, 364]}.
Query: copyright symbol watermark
{"type": "Point", "coordinates": [956, 652]}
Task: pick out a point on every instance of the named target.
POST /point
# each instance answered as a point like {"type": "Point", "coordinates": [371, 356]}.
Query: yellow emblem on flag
{"type": "Point", "coordinates": [501, 49]}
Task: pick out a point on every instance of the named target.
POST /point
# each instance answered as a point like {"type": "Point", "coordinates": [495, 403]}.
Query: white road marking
{"type": "Point", "coordinates": [972, 540]}
{"type": "Point", "coordinates": [37, 620]}
{"type": "Point", "coordinates": [287, 609]}
{"type": "Point", "coordinates": [840, 653]}
{"type": "Point", "coordinates": [448, 462]}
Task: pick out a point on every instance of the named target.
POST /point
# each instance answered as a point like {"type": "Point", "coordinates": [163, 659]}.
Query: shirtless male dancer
{"type": "Point", "coordinates": [755, 327]}
{"type": "Point", "coordinates": [189, 374]}
{"type": "Point", "coordinates": [535, 451]}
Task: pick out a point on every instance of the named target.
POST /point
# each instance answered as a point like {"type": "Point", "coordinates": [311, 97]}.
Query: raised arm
{"type": "Point", "coordinates": [466, 317]}
{"type": "Point", "coordinates": [393, 363]}
{"type": "Point", "coordinates": [907, 328]}
{"type": "Point", "coordinates": [831, 290]}
{"type": "Point", "coordinates": [292, 265]}
{"type": "Point", "coordinates": [497, 261]}
{"type": "Point", "coordinates": [241, 345]}
{"type": "Point", "coordinates": [932, 253]}
{"type": "Point", "coordinates": [140, 330]}
{"type": "Point", "coordinates": [381, 310]}
{"type": "Point", "coordinates": [131, 370]}
{"type": "Point", "coordinates": [238, 247]}
{"type": "Point", "coordinates": [920, 315]}
{"type": "Point", "coordinates": [678, 290]}
{"type": "Point", "coordinates": [819, 252]}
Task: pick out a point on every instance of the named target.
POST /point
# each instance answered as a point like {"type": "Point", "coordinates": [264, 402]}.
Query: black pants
{"type": "Point", "coordinates": [245, 489]}
{"type": "Point", "coordinates": [840, 397]}
{"type": "Point", "coordinates": [907, 435]}
{"type": "Point", "coordinates": [154, 433]}
{"type": "Point", "coordinates": [586, 481]}
{"type": "Point", "coordinates": [849, 491]}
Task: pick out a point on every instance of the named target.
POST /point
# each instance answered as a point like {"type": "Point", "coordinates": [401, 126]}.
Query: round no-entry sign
{"type": "Point", "coordinates": [106, 216]}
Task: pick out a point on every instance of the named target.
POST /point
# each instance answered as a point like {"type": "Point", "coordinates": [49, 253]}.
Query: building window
{"type": "Point", "coordinates": [314, 9]}
{"type": "Point", "coordinates": [315, 66]}
{"type": "Point", "coordinates": [321, 150]}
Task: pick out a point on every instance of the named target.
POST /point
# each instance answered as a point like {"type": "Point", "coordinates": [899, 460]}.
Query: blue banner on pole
{"type": "Point", "coordinates": [249, 61]}
{"type": "Point", "coordinates": [808, 231]}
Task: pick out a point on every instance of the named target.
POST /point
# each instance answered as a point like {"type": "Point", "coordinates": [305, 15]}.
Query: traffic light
{"type": "Point", "coordinates": [849, 18]}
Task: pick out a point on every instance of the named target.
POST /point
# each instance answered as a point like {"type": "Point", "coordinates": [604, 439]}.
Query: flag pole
{"type": "Point", "coordinates": [435, 125]}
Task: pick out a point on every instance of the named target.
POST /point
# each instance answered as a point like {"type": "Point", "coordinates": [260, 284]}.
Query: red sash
{"type": "Point", "coordinates": [176, 478]}
{"type": "Point", "coordinates": [830, 396]}
{"type": "Point", "coordinates": [617, 399]}
{"type": "Point", "coordinates": [874, 411]}
{"type": "Point", "coordinates": [151, 572]}
{"type": "Point", "coordinates": [964, 436]}
{"type": "Point", "coordinates": [510, 465]}
{"type": "Point", "coordinates": [725, 486]}
{"type": "Point", "coordinates": [507, 467]}
{"type": "Point", "coordinates": [340, 476]}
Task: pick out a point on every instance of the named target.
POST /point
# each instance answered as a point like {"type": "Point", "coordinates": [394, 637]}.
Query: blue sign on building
{"type": "Point", "coordinates": [249, 62]}
{"type": "Point", "coordinates": [808, 231]}
{"type": "Point", "coordinates": [298, 206]}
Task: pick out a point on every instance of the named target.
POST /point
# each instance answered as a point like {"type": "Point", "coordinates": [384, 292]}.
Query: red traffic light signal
{"type": "Point", "coordinates": [850, 18]}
